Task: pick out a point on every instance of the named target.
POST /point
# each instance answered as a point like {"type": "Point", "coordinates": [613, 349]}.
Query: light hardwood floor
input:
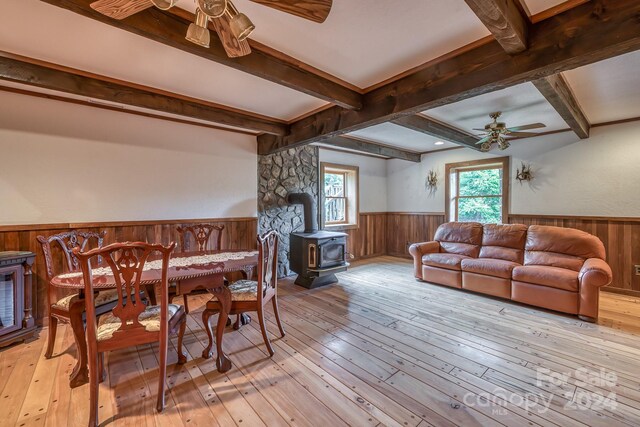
{"type": "Point", "coordinates": [377, 349]}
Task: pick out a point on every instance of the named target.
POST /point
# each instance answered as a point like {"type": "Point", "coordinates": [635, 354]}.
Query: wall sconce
{"type": "Point", "coordinates": [431, 182]}
{"type": "Point", "coordinates": [524, 174]}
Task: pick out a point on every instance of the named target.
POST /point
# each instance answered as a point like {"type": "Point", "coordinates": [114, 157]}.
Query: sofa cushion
{"type": "Point", "coordinates": [448, 261]}
{"type": "Point", "coordinates": [463, 238]}
{"type": "Point", "coordinates": [489, 267]}
{"type": "Point", "coordinates": [554, 277]}
{"type": "Point", "coordinates": [561, 247]}
{"type": "Point", "coordinates": [504, 241]}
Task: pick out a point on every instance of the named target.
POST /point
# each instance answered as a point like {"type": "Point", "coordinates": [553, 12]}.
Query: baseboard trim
{"type": "Point", "coordinates": [621, 291]}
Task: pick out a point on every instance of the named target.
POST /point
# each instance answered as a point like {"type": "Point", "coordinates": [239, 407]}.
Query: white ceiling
{"type": "Point", "coordinates": [520, 105]}
{"type": "Point", "coordinates": [608, 90]}
{"type": "Point", "coordinates": [401, 137]}
{"type": "Point", "coordinates": [364, 42]}
{"type": "Point", "coordinates": [537, 6]}
{"type": "Point", "coordinates": [39, 30]}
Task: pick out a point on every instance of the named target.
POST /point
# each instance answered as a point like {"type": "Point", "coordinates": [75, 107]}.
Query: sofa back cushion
{"type": "Point", "coordinates": [504, 241]}
{"type": "Point", "coordinates": [463, 238]}
{"type": "Point", "coordinates": [561, 247]}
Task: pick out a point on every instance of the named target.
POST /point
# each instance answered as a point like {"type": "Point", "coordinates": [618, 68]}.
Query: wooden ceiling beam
{"type": "Point", "coordinates": [372, 148]}
{"type": "Point", "coordinates": [36, 73]}
{"type": "Point", "coordinates": [592, 32]}
{"type": "Point", "coordinates": [428, 126]}
{"type": "Point", "coordinates": [170, 29]}
{"type": "Point", "coordinates": [504, 19]}
{"type": "Point", "coordinates": [559, 94]}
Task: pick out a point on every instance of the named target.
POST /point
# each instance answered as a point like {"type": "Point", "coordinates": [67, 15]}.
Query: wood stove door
{"type": "Point", "coordinates": [11, 299]}
{"type": "Point", "coordinates": [332, 253]}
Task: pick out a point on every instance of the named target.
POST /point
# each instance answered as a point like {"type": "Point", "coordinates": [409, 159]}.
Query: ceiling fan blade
{"type": "Point", "coordinates": [525, 127]}
{"type": "Point", "coordinates": [519, 134]}
{"type": "Point", "coordinates": [485, 139]}
{"type": "Point", "coordinates": [480, 130]}
{"type": "Point", "coordinates": [120, 9]}
{"type": "Point", "coordinates": [232, 45]}
{"type": "Point", "coordinates": [313, 10]}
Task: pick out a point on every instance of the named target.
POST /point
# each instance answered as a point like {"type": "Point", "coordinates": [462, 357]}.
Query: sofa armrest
{"type": "Point", "coordinates": [417, 250]}
{"type": "Point", "coordinates": [595, 273]}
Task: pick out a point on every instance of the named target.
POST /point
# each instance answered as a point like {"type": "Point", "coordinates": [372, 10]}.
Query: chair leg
{"type": "Point", "coordinates": [186, 303]}
{"type": "Point", "coordinates": [274, 301]}
{"type": "Point", "coordinates": [182, 358]}
{"type": "Point", "coordinates": [51, 341]}
{"type": "Point", "coordinates": [163, 372]}
{"type": "Point", "coordinates": [263, 328]}
{"type": "Point", "coordinates": [207, 352]}
{"type": "Point", "coordinates": [102, 372]}
{"type": "Point", "coordinates": [94, 388]}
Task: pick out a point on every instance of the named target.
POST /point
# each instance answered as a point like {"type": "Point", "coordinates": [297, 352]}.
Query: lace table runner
{"type": "Point", "coordinates": [173, 262]}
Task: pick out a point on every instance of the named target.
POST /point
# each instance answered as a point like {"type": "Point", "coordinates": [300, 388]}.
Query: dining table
{"type": "Point", "coordinates": [200, 269]}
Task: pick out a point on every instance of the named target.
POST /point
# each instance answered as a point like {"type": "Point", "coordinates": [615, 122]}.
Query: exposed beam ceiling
{"type": "Point", "coordinates": [434, 128]}
{"type": "Point", "coordinates": [505, 21]}
{"type": "Point", "coordinates": [372, 148]}
{"type": "Point", "coordinates": [50, 76]}
{"type": "Point", "coordinates": [169, 29]}
{"type": "Point", "coordinates": [557, 91]}
{"type": "Point", "coordinates": [588, 33]}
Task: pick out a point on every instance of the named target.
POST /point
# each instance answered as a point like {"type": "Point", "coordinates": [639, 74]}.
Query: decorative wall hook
{"type": "Point", "coordinates": [431, 182]}
{"type": "Point", "coordinates": [525, 173]}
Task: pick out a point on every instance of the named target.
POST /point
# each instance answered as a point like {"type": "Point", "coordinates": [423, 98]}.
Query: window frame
{"type": "Point", "coordinates": [484, 164]}
{"type": "Point", "coordinates": [351, 195]}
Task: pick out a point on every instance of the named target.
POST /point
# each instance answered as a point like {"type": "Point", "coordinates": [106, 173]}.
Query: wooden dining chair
{"type": "Point", "coordinates": [197, 237]}
{"type": "Point", "coordinates": [69, 309]}
{"type": "Point", "coordinates": [131, 322]}
{"type": "Point", "coordinates": [249, 295]}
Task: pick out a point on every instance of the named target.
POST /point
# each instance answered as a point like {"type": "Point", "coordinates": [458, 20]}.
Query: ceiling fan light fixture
{"type": "Point", "coordinates": [164, 4]}
{"type": "Point", "coordinates": [213, 8]}
{"type": "Point", "coordinates": [241, 26]}
{"type": "Point", "coordinates": [198, 32]}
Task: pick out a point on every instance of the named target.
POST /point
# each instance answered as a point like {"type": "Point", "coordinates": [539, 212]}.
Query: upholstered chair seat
{"type": "Point", "coordinates": [104, 297]}
{"type": "Point", "coordinates": [244, 290]}
{"type": "Point", "coordinates": [149, 318]}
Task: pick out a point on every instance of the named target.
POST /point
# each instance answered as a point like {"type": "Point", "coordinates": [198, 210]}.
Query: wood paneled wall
{"type": "Point", "coordinates": [404, 229]}
{"type": "Point", "coordinates": [238, 233]}
{"type": "Point", "coordinates": [368, 240]}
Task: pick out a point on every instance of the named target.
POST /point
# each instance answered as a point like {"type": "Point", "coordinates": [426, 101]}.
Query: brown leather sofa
{"type": "Point", "coordinates": [556, 268]}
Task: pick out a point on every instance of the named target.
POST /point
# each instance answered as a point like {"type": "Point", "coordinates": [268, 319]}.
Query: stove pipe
{"type": "Point", "coordinates": [310, 209]}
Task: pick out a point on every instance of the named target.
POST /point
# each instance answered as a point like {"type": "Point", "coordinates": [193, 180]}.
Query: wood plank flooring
{"type": "Point", "coordinates": [378, 349]}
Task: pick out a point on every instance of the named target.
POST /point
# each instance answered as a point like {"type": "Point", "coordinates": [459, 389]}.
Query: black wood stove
{"type": "Point", "coordinates": [316, 255]}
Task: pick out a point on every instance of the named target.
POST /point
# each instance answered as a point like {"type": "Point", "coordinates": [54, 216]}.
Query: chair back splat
{"type": "Point", "coordinates": [205, 237]}
{"type": "Point", "coordinates": [268, 263]}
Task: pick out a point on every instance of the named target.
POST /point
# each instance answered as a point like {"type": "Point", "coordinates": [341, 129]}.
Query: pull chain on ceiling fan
{"type": "Point", "coordinates": [228, 21]}
{"type": "Point", "coordinates": [497, 132]}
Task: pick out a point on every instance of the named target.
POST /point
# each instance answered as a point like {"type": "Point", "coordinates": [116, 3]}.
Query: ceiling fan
{"type": "Point", "coordinates": [232, 26]}
{"type": "Point", "coordinates": [497, 132]}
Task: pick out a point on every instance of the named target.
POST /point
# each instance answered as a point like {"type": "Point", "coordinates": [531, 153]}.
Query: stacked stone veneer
{"type": "Point", "coordinates": [291, 171]}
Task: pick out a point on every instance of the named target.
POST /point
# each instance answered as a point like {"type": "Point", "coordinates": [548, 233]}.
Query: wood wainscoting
{"type": "Point", "coordinates": [238, 233]}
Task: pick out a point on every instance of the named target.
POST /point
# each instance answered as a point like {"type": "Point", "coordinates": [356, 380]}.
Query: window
{"type": "Point", "coordinates": [478, 191]}
{"type": "Point", "coordinates": [340, 195]}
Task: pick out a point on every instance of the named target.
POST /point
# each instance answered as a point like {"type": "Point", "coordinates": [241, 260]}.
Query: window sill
{"type": "Point", "coordinates": [339, 227]}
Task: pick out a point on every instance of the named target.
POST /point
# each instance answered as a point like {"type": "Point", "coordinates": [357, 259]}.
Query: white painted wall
{"type": "Point", "coordinates": [598, 176]}
{"type": "Point", "coordinates": [372, 178]}
{"type": "Point", "coordinates": [62, 162]}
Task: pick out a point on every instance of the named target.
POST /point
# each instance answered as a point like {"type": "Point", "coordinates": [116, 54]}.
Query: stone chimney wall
{"type": "Point", "coordinates": [293, 170]}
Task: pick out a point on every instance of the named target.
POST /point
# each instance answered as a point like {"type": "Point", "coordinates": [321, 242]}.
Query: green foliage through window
{"type": "Point", "coordinates": [480, 195]}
